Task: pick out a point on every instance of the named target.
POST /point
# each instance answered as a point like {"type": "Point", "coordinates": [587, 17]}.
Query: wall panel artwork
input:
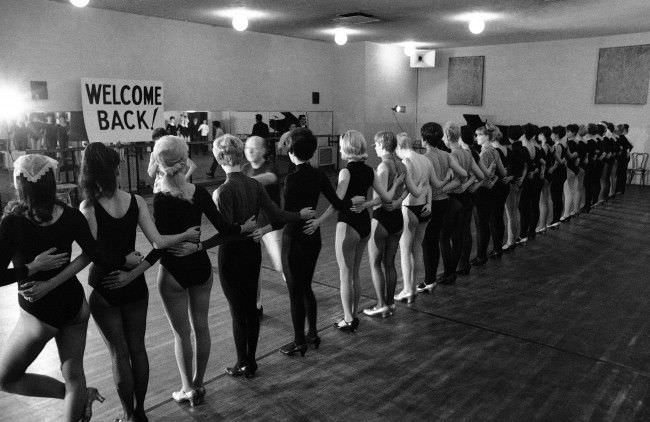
{"type": "Point", "coordinates": [623, 75]}
{"type": "Point", "coordinates": [465, 81]}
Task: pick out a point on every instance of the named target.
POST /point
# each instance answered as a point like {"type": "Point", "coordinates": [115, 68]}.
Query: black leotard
{"type": "Point", "coordinates": [21, 240]}
{"type": "Point", "coordinates": [361, 179]}
{"type": "Point", "coordinates": [117, 235]}
{"type": "Point", "coordinates": [393, 221]}
{"type": "Point", "coordinates": [175, 215]}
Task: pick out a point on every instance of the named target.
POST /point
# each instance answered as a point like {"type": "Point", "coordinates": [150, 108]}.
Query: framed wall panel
{"type": "Point", "coordinates": [465, 81]}
{"type": "Point", "coordinates": [623, 75]}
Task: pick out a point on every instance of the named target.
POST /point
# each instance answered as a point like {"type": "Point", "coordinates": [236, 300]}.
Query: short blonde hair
{"type": "Point", "coordinates": [228, 150]}
{"type": "Point", "coordinates": [353, 146]}
{"type": "Point", "coordinates": [452, 131]}
{"type": "Point", "coordinates": [404, 141]}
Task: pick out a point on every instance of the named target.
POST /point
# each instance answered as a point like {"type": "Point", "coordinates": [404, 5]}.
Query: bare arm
{"type": "Point", "coordinates": [191, 167]}
{"type": "Point", "coordinates": [455, 166]}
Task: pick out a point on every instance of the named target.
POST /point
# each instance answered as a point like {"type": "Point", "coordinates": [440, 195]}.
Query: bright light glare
{"type": "Point", "coordinates": [240, 22]}
{"type": "Point", "coordinates": [12, 103]}
{"type": "Point", "coordinates": [409, 49]}
{"type": "Point", "coordinates": [476, 26]}
{"type": "Point", "coordinates": [340, 37]}
{"type": "Point", "coordinates": [80, 3]}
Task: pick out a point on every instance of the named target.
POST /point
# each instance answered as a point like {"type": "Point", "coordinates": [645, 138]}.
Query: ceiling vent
{"type": "Point", "coordinates": [355, 18]}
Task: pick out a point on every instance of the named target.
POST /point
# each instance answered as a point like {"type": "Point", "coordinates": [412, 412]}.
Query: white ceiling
{"type": "Point", "coordinates": [432, 22]}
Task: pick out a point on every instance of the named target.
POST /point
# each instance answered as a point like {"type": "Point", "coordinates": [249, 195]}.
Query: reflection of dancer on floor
{"type": "Point", "coordinates": [36, 234]}
{"type": "Point", "coordinates": [185, 275]}
{"type": "Point", "coordinates": [119, 304]}
{"type": "Point", "coordinates": [265, 172]}
{"type": "Point", "coordinates": [353, 227]}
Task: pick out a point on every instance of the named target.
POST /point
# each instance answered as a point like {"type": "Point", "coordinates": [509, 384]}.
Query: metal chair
{"type": "Point", "coordinates": [639, 161]}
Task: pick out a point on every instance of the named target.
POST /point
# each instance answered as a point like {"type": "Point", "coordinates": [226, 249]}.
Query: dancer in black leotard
{"type": "Point", "coordinates": [558, 174]}
{"type": "Point", "coordinates": [185, 275]}
{"type": "Point", "coordinates": [51, 298]}
{"type": "Point", "coordinates": [387, 223]}
{"type": "Point", "coordinates": [353, 228]}
{"type": "Point", "coordinates": [238, 199]}
{"type": "Point", "coordinates": [301, 244]}
{"type": "Point", "coordinates": [545, 206]}
{"type": "Point", "coordinates": [501, 190]}
{"type": "Point", "coordinates": [119, 303]}
{"type": "Point", "coordinates": [437, 236]}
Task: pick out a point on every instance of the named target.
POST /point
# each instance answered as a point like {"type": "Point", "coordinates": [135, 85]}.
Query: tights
{"type": "Point", "coordinates": [497, 224]}
{"type": "Point", "coordinates": [299, 256]}
{"type": "Point", "coordinates": [239, 271]}
{"type": "Point", "coordinates": [485, 209]}
{"type": "Point", "coordinates": [431, 242]}
{"type": "Point", "coordinates": [462, 237]}
{"type": "Point", "coordinates": [123, 329]}
{"type": "Point", "coordinates": [529, 206]}
{"type": "Point", "coordinates": [557, 192]}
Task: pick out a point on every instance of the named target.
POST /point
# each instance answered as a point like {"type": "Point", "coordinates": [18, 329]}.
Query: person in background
{"type": "Point", "coordinates": [216, 133]}
{"type": "Point", "coordinates": [172, 128]}
{"type": "Point", "coordinates": [260, 128]}
{"type": "Point", "coordinates": [302, 121]}
{"type": "Point", "coordinates": [265, 172]}
{"type": "Point", "coordinates": [284, 142]}
{"type": "Point", "coordinates": [50, 136]}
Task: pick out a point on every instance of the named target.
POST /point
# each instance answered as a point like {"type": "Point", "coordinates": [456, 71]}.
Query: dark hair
{"type": "Point", "coordinates": [546, 131]}
{"type": "Point", "coordinates": [467, 135]}
{"type": "Point", "coordinates": [258, 117]}
{"type": "Point", "coordinates": [158, 133]}
{"type": "Point", "coordinates": [515, 132]}
{"type": "Point", "coordinates": [172, 118]}
{"type": "Point", "coordinates": [98, 170]}
{"type": "Point", "coordinates": [626, 126]}
{"type": "Point", "coordinates": [216, 123]}
{"type": "Point", "coordinates": [601, 129]}
{"type": "Point", "coordinates": [592, 129]}
{"type": "Point", "coordinates": [560, 131]}
{"type": "Point", "coordinates": [611, 127]}
{"type": "Point", "coordinates": [573, 128]}
{"type": "Point", "coordinates": [432, 134]}
{"type": "Point", "coordinates": [35, 199]}
{"type": "Point", "coordinates": [303, 143]}
{"type": "Point", "coordinates": [530, 131]}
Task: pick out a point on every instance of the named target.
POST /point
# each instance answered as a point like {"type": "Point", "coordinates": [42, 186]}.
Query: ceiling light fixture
{"type": "Point", "coordinates": [340, 37]}
{"type": "Point", "coordinates": [409, 49]}
{"type": "Point", "coordinates": [240, 21]}
{"type": "Point", "coordinates": [476, 26]}
{"type": "Point", "coordinates": [80, 3]}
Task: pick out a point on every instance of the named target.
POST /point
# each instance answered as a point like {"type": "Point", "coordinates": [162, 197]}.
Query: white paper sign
{"type": "Point", "coordinates": [118, 110]}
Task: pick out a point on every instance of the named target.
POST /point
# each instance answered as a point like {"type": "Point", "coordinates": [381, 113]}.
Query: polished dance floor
{"type": "Point", "coordinates": [556, 331]}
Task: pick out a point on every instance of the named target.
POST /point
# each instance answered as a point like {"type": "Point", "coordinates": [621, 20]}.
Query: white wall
{"type": "Point", "coordinates": [545, 83]}
{"type": "Point", "coordinates": [202, 67]}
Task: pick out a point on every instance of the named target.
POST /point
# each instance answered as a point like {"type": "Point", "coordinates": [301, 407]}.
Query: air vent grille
{"type": "Point", "coordinates": [355, 18]}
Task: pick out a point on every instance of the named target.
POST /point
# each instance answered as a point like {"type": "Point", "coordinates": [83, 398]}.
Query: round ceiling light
{"type": "Point", "coordinates": [80, 3]}
{"type": "Point", "coordinates": [340, 37]}
{"type": "Point", "coordinates": [240, 22]}
{"type": "Point", "coordinates": [409, 49]}
{"type": "Point", "coordinates": [476, 26]}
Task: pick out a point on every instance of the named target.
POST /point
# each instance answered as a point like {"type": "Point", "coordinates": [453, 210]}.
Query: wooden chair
{"type": "Point", "coordinates": [639, 162]}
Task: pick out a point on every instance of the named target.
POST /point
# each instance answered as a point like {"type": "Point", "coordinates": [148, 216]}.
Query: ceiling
{"type": "Point", "coordinates": [434, 23]}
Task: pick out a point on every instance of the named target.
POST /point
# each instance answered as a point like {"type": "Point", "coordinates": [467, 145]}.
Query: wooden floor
{"type": "Point", "coordinates": [557, 331]}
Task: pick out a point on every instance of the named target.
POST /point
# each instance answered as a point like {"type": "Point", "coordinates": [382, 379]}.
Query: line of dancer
{"type": "Point", "coordinates": [515, 182]}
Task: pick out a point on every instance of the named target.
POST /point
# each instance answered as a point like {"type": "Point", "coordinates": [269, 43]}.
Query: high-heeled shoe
{"type": "Point", "coordinates": [236, 370]}
{"type": "Point", "coordinates": [345, 326]}
{"type": "Point", "coordinates": [91, 395]}
{"type": "Point", "coordinates": [249, 370]}
{"type": "Point", "coordinates": [382, 311]}
{"type": "Point", "coordinates": [293, 348]}
{"type": "Point", "coordinates": [313, 340]}
{"type": "Point", "coordinates": [185, 396]}
{"type": "Point", "coordinates": [464, 271]}
{"type": "Point", "coordinates": [404, 297]}
{"type": "Point", "coordinates": [200, 394]}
